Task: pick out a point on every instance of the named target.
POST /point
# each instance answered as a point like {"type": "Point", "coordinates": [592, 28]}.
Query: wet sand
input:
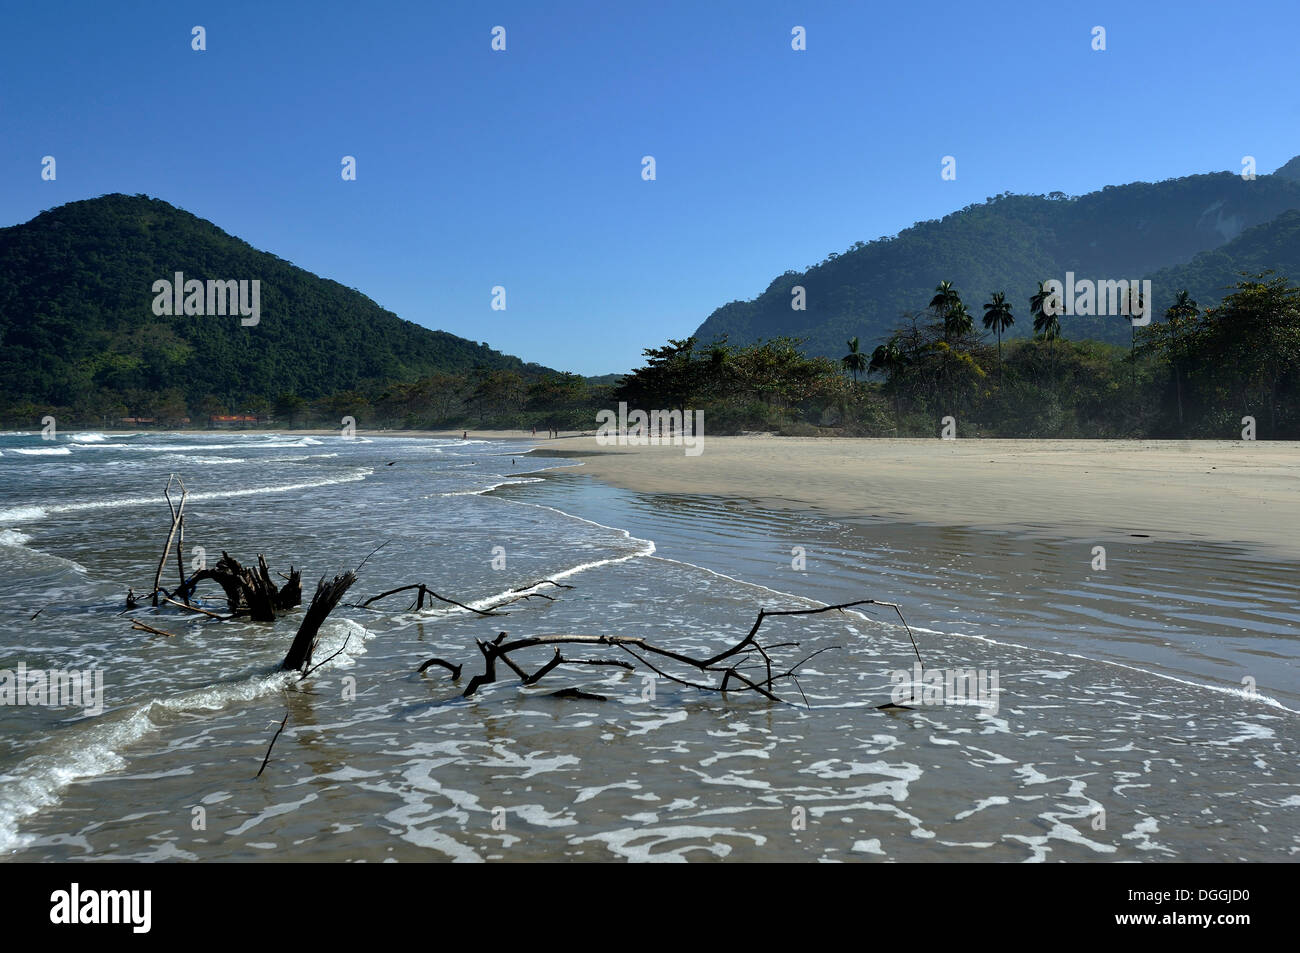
{"type": "Point", "coordinates": [1236, 492]}
{"type": "Point", "coordinates": [1244, 493]}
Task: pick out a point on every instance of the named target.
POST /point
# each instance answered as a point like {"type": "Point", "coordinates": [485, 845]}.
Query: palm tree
{"type": "Point", "coordinates": [945, 301]}
{"type": "Point", "coordinates": [1135, 305]}
{"type": "Point", "coordinates": [887, 357]}
{"type": "Point", "coordinates": [855, 362]}
{"type": "Point", "coordinates": [1183, 308]}
{"type": "Point", "coordinates": [1047, 325]}
{"type": "Point", "coordinates": [958, 321]}
{"type": "Point", "coordinates": [945, 295]}
{"type": "Point", "coordinates": [998, 317]}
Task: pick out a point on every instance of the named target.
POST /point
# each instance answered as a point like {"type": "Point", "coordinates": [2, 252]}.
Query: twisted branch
{"type": "Point", "coordinates": [726, 663]}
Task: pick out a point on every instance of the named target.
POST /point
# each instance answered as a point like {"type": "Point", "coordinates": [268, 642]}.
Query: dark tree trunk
{"type": "Point", "coordinates": [323, 602]}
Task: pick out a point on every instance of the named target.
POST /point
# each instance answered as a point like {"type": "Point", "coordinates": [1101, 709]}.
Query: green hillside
{"type": "Point", "coordinates": [77, 328]}
{"type": "Point", "coordinates": [1010, 243]}
{"type": "Point", "coordinates": [1273, 246]}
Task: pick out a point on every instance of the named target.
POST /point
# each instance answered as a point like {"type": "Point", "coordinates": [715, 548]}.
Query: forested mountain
{"type": "Point", "coordinates": [1010, 243]}
{"type": "Point", "coordinates": [78, 330]}
{"type": "Point", "coordinates": [1273, 246]}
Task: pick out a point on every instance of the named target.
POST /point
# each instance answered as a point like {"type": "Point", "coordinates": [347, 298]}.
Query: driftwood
{"type": "Point", "coordinates": [182, 590]}
{"type": "Point", "coordinates": [323, 602]}
{"type": "Point", "coordinates": [199, 609]}
{"type": "Point", "coordinates": [527, 594]}
{"type": "Point", "coordinates": [726, 664]}
{"type": "Point", "coordinates": [424, 591]}
{"type": "Point", "coordinates": [578, 693]}
{"type": "Point", "coordinates": [177, 514]}
{"type": "Point", "coordinates": [449, 666]}
{"type": "Point", "coordinates": [274, 737]}
{"type": "Point", "coordinates": [251, 591]}
{"type": "Point", "coordinates": [290, 595]}
{"type": "Point", "coordinates": [137, 624]}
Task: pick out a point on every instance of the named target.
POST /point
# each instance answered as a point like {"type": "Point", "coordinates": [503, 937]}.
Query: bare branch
{"type": "Point", "coordinates": [137, 624]}
{"type": "Point", "coordinates": [330, 659]}
{"type": "Point", "coordinates": [176, 522]}
{"type": "Point", "coordinates": [199, 609]}
{"type": "Point", "coordinates": [424, 591]}
{"type": "Point", "coordinates": [728, 664]}
{"type": "Point", "coordinates": [272, 744]}
{"type": "Point", "coordinates": [449, 666]}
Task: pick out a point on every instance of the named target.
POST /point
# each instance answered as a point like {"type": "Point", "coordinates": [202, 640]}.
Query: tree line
{"type": "Point", "coordinates": [1196, 371]}
{"type": "Point", "coordinates": [1193, 372]}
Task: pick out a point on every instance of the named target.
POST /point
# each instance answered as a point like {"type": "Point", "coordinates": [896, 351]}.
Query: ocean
{"type": "Point", "coordinates": [1145, 712]}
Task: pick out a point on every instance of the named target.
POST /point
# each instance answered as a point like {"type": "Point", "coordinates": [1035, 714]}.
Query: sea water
{"type": "Point", "coordinates": [1145, 713]}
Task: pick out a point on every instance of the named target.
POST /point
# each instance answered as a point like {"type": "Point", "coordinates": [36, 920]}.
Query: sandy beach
{"type": "Point", "coordinates": [1238, 492]}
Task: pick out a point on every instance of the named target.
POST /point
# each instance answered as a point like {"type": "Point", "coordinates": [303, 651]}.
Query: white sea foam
{"type": "Point", "coordinates": [43, 451]}
{"type": "Point", "coordinates": [204, 461]}
{"type": "Point", "coordinates": [96, 746]}
{"type": "Point", "coordinates": [649, 844]}
{"type": "Point", "coordinates": [22, 514]}
{"type": "Point", "coordinates": [1241, 693]}
{"type": "Point", "coordinates": [200, 447]}
{"type": "Point", "coordinates": [29, 513]}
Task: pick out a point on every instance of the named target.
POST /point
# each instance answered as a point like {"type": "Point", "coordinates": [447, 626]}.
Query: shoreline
{"type": "Point", "coordinates": [1232, 493]}
{"type": "Point", "coordinates": [1236, 493]}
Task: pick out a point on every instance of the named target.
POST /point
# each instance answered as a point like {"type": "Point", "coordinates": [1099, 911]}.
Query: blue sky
{"type": "Point", "coordinates": [523, 168]}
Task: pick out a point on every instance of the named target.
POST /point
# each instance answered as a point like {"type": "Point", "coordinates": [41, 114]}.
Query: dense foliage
{"type": "Point", "coordinates": [1012, 242]}
{"type": "Point", "coordinates": [1193, 372]}
{"type": "Point", "coordinates": [78, 333]}
{"type": "Point", "coordinates": [78, 339]}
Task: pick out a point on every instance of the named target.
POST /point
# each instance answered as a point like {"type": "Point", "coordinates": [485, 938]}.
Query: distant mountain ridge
{"type": "Point", "coordinates": [1272, 246]}
{"type": "Point", "coordinates": [1010, 243]}
{"type": "Point", "coordinates": [77, 326]}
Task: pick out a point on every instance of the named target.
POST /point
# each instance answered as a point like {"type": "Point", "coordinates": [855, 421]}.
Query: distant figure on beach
{"type": "Point", "coordinates": [534, 430]}
{"type": "Point", "coordinates": [464, 435]}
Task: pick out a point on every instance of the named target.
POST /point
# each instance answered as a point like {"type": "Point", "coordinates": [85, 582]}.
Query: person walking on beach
{"type": "Point", "coordinates": [464, 435]}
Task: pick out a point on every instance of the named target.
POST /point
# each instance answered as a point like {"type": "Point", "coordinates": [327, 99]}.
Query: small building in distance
{"type": "Point", "coordinates": [234, 421]}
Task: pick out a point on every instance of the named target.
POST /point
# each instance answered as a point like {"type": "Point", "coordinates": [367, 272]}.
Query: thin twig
{"type": "Point", "coordinates": [272, 744]}
{"type": "Point", "coordinates": [371, 553]}
{"type": "Point", "coordinates": [328, 660]}
{"type": "Point", "coordinates": [137, 624]}
{"type": "Point", "coordinates": [181, 605]}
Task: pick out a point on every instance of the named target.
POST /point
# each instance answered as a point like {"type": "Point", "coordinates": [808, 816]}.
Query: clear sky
{"type": "Point", "coordinates": [523, 168]}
